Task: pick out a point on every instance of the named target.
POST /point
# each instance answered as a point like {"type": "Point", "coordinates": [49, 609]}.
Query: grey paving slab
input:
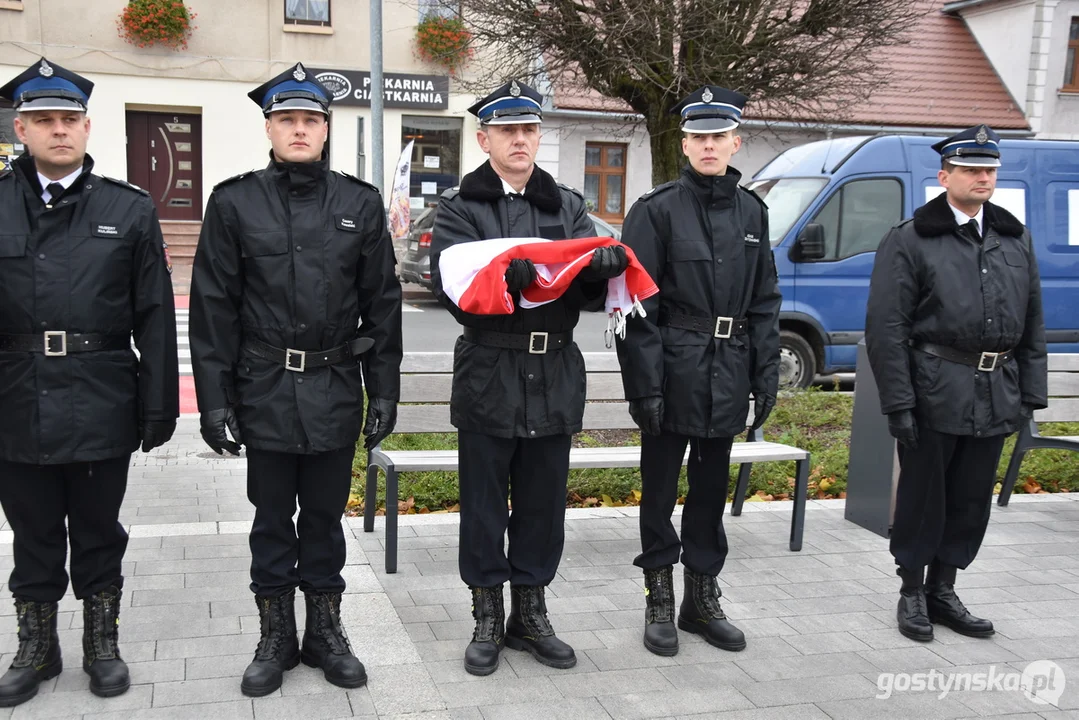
{"type": "Point", "coordinates": [643, 705]}
{"type": "Point", "coordinates": [238, 709]}
{"type": "Point", "coordinates": [568, 709]}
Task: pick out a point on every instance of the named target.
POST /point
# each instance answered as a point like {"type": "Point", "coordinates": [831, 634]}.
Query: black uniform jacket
{"type": "Point", "coordinates": [93, 263]}
{"type": "Point", "coordinates": [705, 242]}
{"type": "Point", "coordinates": [512, 393]}
{"type": "Point", "coordinates": [934, 283]}
{"type": "Point", "coordinates": [294, 255]}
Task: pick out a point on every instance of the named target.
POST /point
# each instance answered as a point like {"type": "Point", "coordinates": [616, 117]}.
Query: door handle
{"type": "Point", "coordinates": [153, 164]}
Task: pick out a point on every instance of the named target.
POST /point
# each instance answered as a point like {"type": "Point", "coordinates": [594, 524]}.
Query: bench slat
{"type": "Point", "coordinates": [1059, 410]}
{"type": "Point", "coordinates": [436, 418]}
{"type": "Point", "coordinates": [1064, 362]}
{"type": "Point", "coordinates": [1063, 384]}
{"type": "Point", "coordinates": [435, 388]}
{"type": "Point", "coordinates": [442, 362]}
{"type": "Point", "coordinates": [605, 457]}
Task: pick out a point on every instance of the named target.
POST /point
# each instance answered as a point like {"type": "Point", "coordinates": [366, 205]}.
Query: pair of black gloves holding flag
{"type": "Point", "coordinates": [607, 262]}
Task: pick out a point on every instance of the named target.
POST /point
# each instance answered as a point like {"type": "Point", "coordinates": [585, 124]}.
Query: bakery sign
{"type": "Point", "coordinates": [412, 92]}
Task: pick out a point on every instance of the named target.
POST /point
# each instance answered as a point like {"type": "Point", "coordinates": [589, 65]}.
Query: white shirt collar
{"type": "Point", "coordinates": [961, 218]}
{"type": "Point", "coordinates": [507, 188]}
{"type": "Point", "coordinates": [65, 181]}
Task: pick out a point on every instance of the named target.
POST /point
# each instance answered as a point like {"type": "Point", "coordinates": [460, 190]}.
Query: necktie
{"type": "Point", "coordinates": [972, 226]}
{"type": "Point", "coordinates": [55, 190]}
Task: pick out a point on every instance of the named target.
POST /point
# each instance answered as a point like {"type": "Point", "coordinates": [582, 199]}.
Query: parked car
{"type": "Point", "coordinates": [414, 257]}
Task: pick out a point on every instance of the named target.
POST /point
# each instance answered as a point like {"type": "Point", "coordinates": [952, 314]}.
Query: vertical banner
{"type": "Point", "coordinates": [400, 215]}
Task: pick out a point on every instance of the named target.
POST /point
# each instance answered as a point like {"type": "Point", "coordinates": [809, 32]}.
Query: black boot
{"type": "Point", "coordinates": [529, 629]}
{"type": "Point", "coordinates": [100, 654]}
{"type": "Point", "coordinates": [325, 644]}
{"type": "Point", "coordinates": [277, 650]}
{"type": "Point", "coordinates": [701, 614]}
{"type": "Point", "coordinates": [488, 608]}
{"type": "Point", "coordinates": [38, 657]}
{"type": "Point", "coordinates": [911, 614]}
{"type": "Point", "coordinates": [660, 634]}
{"type": "Point", "coordinates": [945, 607]}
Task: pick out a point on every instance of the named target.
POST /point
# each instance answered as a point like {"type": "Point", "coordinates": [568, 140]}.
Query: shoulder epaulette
{"type": "Point", "coordinates": [232, 179]}
{"type": "Point", "coordinates": [126, 184]}
{"type": "Point", "coordinates": [573, 190]}
{"type": "Point", "coordinates": [755, 196]}
{"type": "Point", "coordinates": [908, 220]}
{"type": "Point", "coordinates": [356, 179]}
{"type": "Point", "coordinates": [657, 190]}
{"type": "Point", "coordinates": [451, 193]}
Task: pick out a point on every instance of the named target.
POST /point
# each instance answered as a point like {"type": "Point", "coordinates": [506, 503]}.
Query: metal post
{"type": "Point", "coordinates": [378, 168]}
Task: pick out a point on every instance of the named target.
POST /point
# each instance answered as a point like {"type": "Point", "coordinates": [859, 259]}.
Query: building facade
{"type": "Point", "coordinates": [177, 122]}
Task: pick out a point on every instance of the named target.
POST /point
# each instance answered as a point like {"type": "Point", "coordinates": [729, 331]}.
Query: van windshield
{"type": "Point", "coordinates": [787, 199]}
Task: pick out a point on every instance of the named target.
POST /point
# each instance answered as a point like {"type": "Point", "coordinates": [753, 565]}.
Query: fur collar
{"type": "Point", "coordinates": [484, 184]}
{"type": "Point", "coordinates": [935, 218]}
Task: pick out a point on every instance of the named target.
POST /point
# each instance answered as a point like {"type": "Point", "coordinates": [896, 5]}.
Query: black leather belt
{"type": "Point", "coordinates": [303, 360]}
{"type": "Point", "coordinates": [985, 361]}
{"type": "Point", "coordinates": [720, 327]}
{"type": "Point", "coordinates": [536, 343]}
{"type": "Point", "coordinates": [58, 343]}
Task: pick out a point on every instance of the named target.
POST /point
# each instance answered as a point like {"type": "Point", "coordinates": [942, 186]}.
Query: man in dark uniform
{"type": "Point", "coordinates": [82, 270]}
{"type": "Point", "coordinates": [290, 259]}
{"type": "Point", "coordinates": [709, 339]}
{"type": "Point", "coordinates": [518, 383]}
{"type": "Point", "coordinates": [956, 340]}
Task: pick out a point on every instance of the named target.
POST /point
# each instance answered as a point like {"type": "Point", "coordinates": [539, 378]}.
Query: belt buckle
{"type": "Point", "coordinates": [532, 337]}
{"type": "Point", "coordinates": [295, 360]}
{"type": "Point", "coordinates": [992, 356]}
{"type": "Point", "coordinates": [51, 335]}
{"type": "Point", "coordinates": [721, 322]}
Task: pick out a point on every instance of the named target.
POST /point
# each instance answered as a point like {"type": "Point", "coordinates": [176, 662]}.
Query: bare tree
{"type": "Point", "coordinates": [795, 59]}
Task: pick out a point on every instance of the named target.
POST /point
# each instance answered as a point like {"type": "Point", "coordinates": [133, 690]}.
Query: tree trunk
{"type": "Point", "coordinates": [665, 139]}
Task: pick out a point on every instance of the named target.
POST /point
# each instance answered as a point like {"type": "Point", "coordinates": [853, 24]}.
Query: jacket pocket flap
{"type": "Point", "coordinates": [269, 243]}
{"type": "Point", "coordinates": [13, 245]}
{"type": "Point", "coordinates": [686, 251]}
{"type": "Point", "coordinates": [1015, 258]}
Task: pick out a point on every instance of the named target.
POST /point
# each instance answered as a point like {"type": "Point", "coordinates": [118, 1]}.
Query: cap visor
{"type": "Point", "coordinates": [708, 126]}
{"type": "Point", "coordinates": [974, 161]}
{"type": "Point", "coordinates": [48, 103]}
{"type": "Point", "coordinates": [296, 104]}
{"type": "Point", "coordinates": [526, 119]}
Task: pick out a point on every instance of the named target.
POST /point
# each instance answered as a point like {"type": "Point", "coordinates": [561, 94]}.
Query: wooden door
{"type": "Point", "coordinates": [164, 156]}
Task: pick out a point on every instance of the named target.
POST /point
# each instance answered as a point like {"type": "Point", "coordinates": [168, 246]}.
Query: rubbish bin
{"type": "Point", "coordinates": [873, 468]}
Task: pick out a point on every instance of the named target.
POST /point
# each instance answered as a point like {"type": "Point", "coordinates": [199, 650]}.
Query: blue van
{"type": "Point", "coordinates": [831, 202]}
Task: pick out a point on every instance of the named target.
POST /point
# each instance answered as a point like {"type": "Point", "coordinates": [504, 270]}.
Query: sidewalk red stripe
{"type": "Point", "coordinates": [187, 395]}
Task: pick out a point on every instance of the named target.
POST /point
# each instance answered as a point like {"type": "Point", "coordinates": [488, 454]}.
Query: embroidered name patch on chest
{"type": "Point", "coordinates": [344, 222]}
{"type": "Point", "coordinates": [103, 230]}
{"type": "Point", "coordinates": [752, 239]}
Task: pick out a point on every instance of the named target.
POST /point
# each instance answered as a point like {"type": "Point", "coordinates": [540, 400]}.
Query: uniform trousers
{"type": "Point", "coordinates": [37, 499]}
{"type": "Point", "coordinates": [529, 472]}
{"type": "Point", "coordinates": [704, 541]}
{"type": "Point", "coordinates": [943, 498]}
{"type": "Point", "coordinates": [309, 553]}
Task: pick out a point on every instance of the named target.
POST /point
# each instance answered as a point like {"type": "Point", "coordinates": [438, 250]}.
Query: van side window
{"type": "Point", "coordinates": [858, 217]}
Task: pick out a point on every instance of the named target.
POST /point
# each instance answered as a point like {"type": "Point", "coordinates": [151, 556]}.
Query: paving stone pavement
{"type": "Point", "coordinates": [820, 623]}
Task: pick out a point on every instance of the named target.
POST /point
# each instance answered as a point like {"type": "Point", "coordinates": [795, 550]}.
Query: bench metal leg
{"type": "Point", "coordinates": [1022, 444]}
{"type": "Point", "coordinates": [391, 521]}
{"type": "Point", "coordinates": [801, 487]}
{"type": "Point", "coordinates": [740, 488]}
{"type": "Point", "coordinates": [370, 498]}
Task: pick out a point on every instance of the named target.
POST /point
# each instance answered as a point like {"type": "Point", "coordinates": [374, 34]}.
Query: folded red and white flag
{"type": "Point", "coordinates": [473, 275]}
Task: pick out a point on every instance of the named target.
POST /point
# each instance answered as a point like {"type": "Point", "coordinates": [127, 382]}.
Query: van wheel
{"type": "Point", "coordinates": [797, 362]}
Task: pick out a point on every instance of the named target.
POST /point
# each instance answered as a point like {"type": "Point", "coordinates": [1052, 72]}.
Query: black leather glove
{"type": "Point", "coordinates": [156, 433]}
{"type": "Point", "coordinates": [213, 423]}
{"type": "Point", "coordinates": [520, 274]}
{"type": "Point", "coordinates": [648, 414]}
{"type": "Point", "coordinates": [1026, 411]}
{"type": "Point", "coordinates": [762, 408]}
{"type": "Point", "coordinates": [903, 428]}
{"type": "Point", "coordinates": [607, 262]}
{"type": "Point", "coordinates": [381, 417]}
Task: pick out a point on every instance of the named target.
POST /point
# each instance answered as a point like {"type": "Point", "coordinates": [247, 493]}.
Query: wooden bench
{"type": "Point", "coordinates": [1063, 407]}
{"type": "Point", "coordinates": [425, 393]}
